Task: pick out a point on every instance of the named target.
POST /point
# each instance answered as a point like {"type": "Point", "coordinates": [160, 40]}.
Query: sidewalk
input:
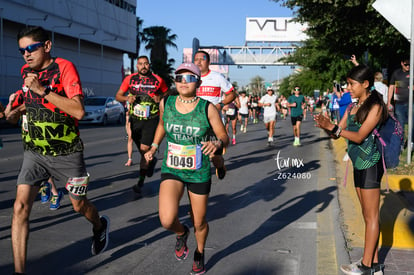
{"type": "Point", "coordinates": [396, 242]}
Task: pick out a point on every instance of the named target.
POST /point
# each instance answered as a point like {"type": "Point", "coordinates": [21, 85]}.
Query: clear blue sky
{"type": "Point", "coordinates": [213, 22]}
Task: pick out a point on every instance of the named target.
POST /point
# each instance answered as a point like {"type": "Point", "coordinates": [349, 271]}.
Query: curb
{"type": "Point", "coordinates": [396, 207]}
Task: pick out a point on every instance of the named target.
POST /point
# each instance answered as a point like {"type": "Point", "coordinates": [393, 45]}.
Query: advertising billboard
{"type": "Point", "coordinates": [274, 29]}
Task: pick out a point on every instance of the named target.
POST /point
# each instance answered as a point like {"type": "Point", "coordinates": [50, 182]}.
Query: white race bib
{"type": "Point", "coordinates": [187, 157]}
{"type": "Point", "coordinates": [231, 112]}
{"type": "Point", "coordinates": [142, 111]}
{"type": "Point", "coordinates": [78, 186]}
{"type": "Point", "coordinates": [25, 127]}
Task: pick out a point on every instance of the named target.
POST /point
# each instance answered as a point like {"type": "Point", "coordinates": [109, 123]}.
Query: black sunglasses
{"type": "Point", "coordinates": [31, 48]}
{"type": "Point", "coordinates": [406, 64]}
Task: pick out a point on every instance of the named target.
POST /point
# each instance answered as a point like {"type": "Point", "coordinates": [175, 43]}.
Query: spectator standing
{"type": "Point", "coordinates": [356, 126]}
{"type": "Point", "coordinates": [381, 87]}
{"type": "Point", "coordinates": [398, 91]}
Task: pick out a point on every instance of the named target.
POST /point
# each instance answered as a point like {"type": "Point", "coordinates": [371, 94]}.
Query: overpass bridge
{"type": "Point", "coordinates": [254, 55]}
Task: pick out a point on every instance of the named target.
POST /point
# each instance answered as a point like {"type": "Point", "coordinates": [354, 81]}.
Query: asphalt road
{"type": "Point", "coordinates": [276, 211]}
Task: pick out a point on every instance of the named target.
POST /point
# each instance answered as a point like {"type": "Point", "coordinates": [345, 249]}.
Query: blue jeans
{"type": "Point", "coordinates": [401, 114]}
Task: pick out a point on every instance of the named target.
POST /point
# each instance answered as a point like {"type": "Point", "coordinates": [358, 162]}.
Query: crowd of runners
{"type": "Point", "coordinates": [198, 120]}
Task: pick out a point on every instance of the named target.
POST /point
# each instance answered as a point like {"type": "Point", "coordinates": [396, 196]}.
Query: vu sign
{"type": "Point", "coordinates": [274, 29]}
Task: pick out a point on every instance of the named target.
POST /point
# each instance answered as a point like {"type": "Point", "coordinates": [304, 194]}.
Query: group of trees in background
{"type": "Point", "coordinates": [336, 30]}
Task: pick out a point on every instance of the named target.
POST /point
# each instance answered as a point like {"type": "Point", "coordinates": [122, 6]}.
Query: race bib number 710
{"type": "Point", "coordinates": [78, 186]}
{"type": "Point", "coordinates": [184, 156]}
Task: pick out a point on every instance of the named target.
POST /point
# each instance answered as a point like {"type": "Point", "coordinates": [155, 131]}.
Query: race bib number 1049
{"type": "Point", "coordinates": [184, 156]}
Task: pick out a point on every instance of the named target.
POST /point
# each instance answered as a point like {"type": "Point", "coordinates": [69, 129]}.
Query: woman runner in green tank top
{"type": "Point", "coordinates": [356, 126]}
{"type": "Point", "coordinates": [185, 121]}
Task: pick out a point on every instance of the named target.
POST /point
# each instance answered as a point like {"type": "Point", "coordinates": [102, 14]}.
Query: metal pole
{"type": "Point", "coordinates": [410, 105]}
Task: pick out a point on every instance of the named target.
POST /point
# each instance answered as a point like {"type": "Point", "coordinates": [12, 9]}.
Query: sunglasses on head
{"type": "Point", "coordinates": [31, 48]}
{"type": "Point", "coordinates": [188, 78]}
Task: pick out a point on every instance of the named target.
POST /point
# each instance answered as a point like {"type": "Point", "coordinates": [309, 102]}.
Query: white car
{"type": "Point", "coordinates": [103, 110]}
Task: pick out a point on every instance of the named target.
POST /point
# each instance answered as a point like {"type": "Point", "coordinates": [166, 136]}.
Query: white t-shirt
{"type": "Point", "coordinates": [382, 89]}
{"type": "Point", "coordinates": [244, 109]}
{"type": "Point", "coordinates": [213, 87]}
{"type": "Point", "coordinates": [269, 110]}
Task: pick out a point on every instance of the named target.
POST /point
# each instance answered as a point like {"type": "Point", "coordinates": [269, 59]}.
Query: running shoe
{"type": "Point", "coordinates": [357, 269]}
{"type": "Point", "coordinates": [241, 128]}
{"type": "Point", "coordinates": [244, 129]}
{"type": "Point", "coordinates": [137, 187]}
{"type": "Point", "coordinates": [234, 141]}
{"type": "Point", "coordinates": [45, 192]}
{"type": "Point", "coordinates": [100, 239]}
{"type": "Point", "coordinates": [221, 172]}
{"type": "Point", "coordinates": [181, 249]}
{"type": "Point", "coordinates": [198, 264]}
{"type": "Point", "coordinates": [151, 167]}
{"type": "Point", "coordinates": [378, 268]}
{"type": "Point", "coordinates": [55, 201]}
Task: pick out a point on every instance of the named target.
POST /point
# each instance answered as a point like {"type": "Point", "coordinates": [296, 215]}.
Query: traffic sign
{"type": "Point", "coordinates": [399, 15]}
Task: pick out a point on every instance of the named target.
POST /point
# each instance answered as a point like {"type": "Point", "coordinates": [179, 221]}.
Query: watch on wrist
{"type": "Point", "coordinates": [47, 91]}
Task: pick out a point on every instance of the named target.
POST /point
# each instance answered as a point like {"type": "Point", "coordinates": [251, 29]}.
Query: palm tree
{"type": "Point", "coordinates": [139, 36]}
{"type": "Point", "coordinates": [157, 39]}
{"type": "Point", "coordinates": [256, 84]}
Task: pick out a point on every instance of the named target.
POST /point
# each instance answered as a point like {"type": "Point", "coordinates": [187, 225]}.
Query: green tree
{"type": "Point", "coordinates": [350, 27]}
{"type": "Point", "coordinates": [157, 39]}
{"type": "Point", "coordinates": [257, 85]}
{"type": "Point", "coordinates": [337, 29]}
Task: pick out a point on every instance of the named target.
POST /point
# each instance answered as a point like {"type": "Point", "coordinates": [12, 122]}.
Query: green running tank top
{"type": "Point", "coordinates": [184, 133]}
{"type": "Point", "coordinates": [363, 155]}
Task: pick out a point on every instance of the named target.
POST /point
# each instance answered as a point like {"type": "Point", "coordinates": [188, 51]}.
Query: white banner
{"type": "Point", "coordinates": [274, 29]}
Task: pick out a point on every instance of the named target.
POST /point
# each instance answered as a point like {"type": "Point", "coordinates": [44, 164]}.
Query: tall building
{"type": "Point", "coordinates": [93, 34]}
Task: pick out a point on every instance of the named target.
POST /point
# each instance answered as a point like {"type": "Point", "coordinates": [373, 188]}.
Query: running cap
{"type": "Point", "coordinates": [191, 67]}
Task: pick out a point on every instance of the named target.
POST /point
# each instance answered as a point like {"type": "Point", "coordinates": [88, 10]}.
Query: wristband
{"type": "Point", "coordinates": [154, 145]}
{"type": "Point", "coordinates": [338, 132]}
{"type": "Point", "coordinates": [335, 128]}
{"type": "Point", "coordinates": [220, 143]}
{"type": "Point", "coordinates": [47, 91]}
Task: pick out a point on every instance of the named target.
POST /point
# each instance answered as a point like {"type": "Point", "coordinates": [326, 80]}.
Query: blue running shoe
{"type": "Point", "coordinates": [45, 192]}
{"type": "Point", "coordinates": [55, 201]}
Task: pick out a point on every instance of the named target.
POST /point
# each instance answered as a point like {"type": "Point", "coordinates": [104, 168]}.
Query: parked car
{"type": "Point", "coordinates": [103, 110]}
